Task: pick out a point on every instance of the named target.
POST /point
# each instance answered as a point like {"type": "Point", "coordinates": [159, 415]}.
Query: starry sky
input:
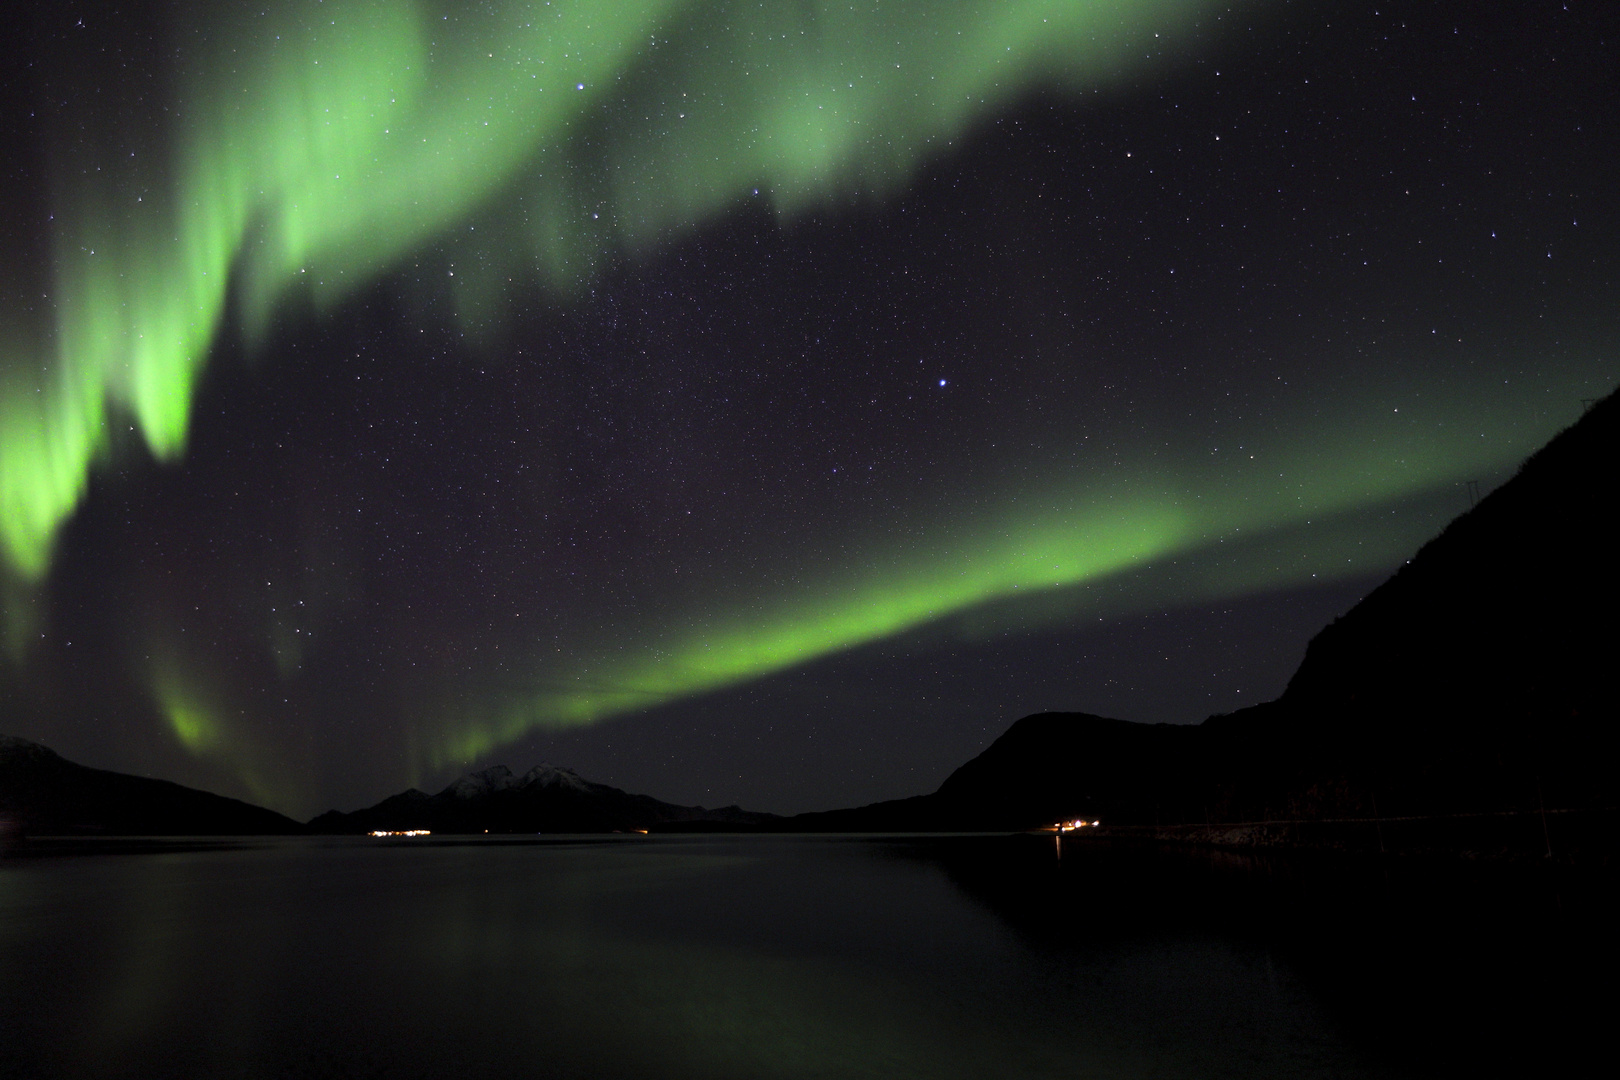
{"type": "Point", "coordinates": [754, 403]}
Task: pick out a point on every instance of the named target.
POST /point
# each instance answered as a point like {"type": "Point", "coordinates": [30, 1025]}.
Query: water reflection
{"type": "Point", "coordinates": [724, 957]}
{"type": "Point", "coordinates": [1423, 968]}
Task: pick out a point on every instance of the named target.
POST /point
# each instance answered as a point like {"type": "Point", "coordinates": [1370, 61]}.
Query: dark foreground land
{"type": "Point", "coordinates": [42, 792]}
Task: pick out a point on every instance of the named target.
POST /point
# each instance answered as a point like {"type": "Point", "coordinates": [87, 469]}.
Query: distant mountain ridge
{"type": "Point", "coordinates": [1479, 680]}
{"type": "Point", "coordinates": [545, 799]}
{"type": "Point", "coordinates": [43, 792]}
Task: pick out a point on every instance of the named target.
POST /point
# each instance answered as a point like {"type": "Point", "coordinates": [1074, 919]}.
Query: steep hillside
{"type": "Point", "coordinates": [1486, 667]}
{"type": "Point", "coordinates": [1479, 680]}
{"type": "Point", "coordinates": [44, 793]}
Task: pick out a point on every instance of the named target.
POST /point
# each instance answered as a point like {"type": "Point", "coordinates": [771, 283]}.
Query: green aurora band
{"type": "Point", "coordinates": [312, 149]}
{"type": "Point", "coordinates": [310, 152]}
{"type": "Point", "coordinates": [1295, 514]}
{"type": "Point", "coordinates": [1296, 511]}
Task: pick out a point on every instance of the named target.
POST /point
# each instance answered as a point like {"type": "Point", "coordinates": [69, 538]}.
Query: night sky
{"type": "Point", "coordinates": [755, 403]}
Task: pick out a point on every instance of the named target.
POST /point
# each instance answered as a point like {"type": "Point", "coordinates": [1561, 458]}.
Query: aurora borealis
{"type": "Point", "coordinates": [754, 403]}
{"type": "Point", "coordinates": [313, 146]}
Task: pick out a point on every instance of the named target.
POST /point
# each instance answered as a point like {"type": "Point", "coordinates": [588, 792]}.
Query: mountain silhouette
{"type": "Point", "coordinates": [1478, 680]}
{"type": "Point", "coordinates": [1476, 684]}
{"type": "Point", "coordinates": [545, 799]}
{"type": "Point", "coordinates": [42, 792]}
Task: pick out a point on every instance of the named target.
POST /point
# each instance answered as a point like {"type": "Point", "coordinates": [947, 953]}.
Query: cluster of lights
{"type": "Point", "coordinates": [402, 832]}
{"type": "Point", "coordinates": [1070, 826]}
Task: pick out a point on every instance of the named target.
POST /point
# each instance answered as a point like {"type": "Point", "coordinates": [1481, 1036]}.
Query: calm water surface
{"type": "Point", "coordinates": [789, 957]}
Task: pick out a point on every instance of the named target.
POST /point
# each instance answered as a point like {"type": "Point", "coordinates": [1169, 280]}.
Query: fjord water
{"type": "Point", "coordinates": [759, 957]}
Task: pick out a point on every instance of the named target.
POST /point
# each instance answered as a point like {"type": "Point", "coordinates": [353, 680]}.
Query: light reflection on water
{"type": "Point", "coordinates": [700, 957]}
